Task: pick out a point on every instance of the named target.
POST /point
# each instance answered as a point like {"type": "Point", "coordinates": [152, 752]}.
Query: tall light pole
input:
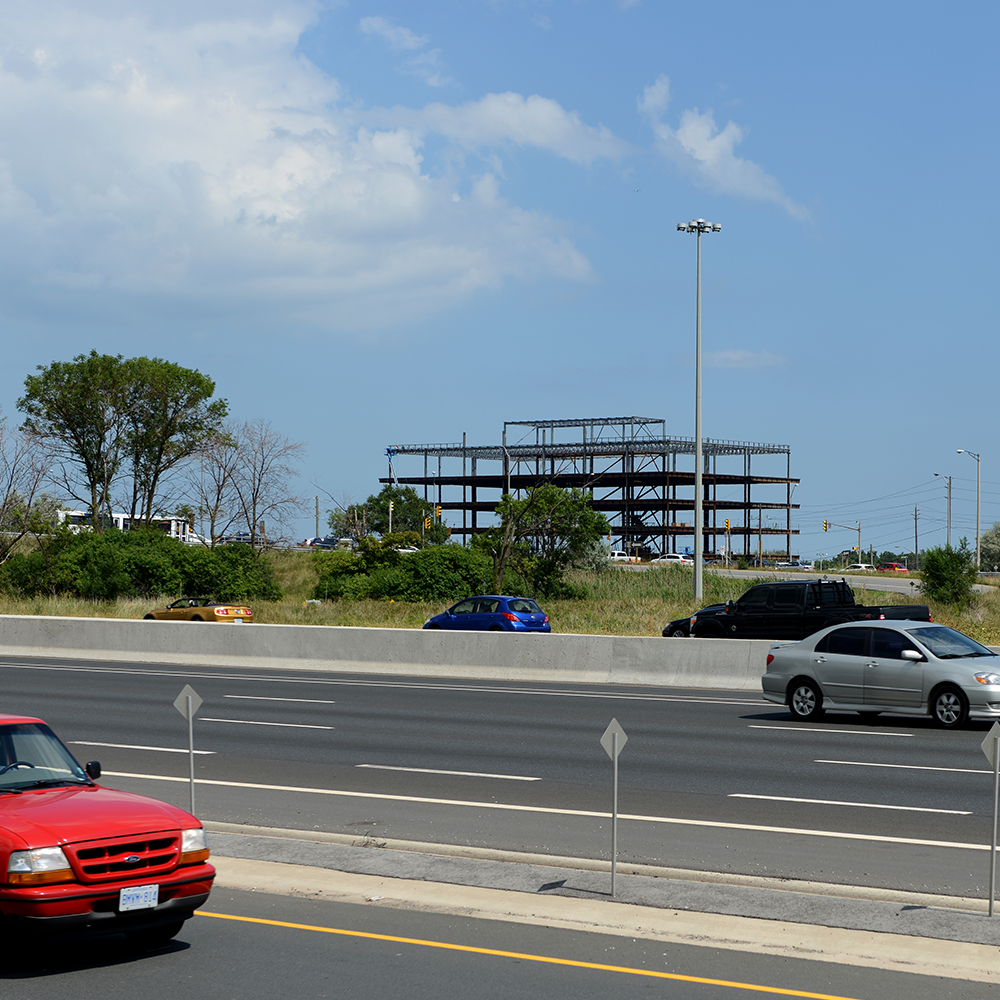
{"type": "Point", "coordinates": [948, 538]}
{"type": "Point", "coordinates": [698, 226]}
{"type": "Point", "coordinates": [964, 451]}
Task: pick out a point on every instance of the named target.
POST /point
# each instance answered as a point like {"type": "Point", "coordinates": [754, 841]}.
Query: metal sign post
{"type": "Point", "coordinates": [991, 747]}
{"type": "Point", "coordinates": [613, 741]}
{"type": "Point", "coordinates": [187, 703]}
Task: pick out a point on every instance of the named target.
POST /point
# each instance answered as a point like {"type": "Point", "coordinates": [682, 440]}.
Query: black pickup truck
{"type": "Point", "coordinates": [793, 609]}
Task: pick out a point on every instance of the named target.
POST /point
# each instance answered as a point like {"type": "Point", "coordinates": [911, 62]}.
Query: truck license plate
{"type": "Point", "coordinates": [138, 897]}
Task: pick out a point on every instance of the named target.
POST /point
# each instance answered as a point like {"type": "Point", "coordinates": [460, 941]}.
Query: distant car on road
{"type": "Point", "coordinates": [674, 557]}
{"type": "Point", "coordinates": [617, 555]}
{"type": "Point", "coordinates": [201, 609]}
{"type": "Point", "coordinates": [913, 668]}
{"type": "Point", "coordinates": [492, 613]}
{"type": "Point", "coordinates": [862, 567]}
{"type": "Point", "coordinates": [892, 567]}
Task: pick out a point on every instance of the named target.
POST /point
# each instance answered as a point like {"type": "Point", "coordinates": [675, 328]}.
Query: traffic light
{"type": "Point", "coordinates": [437, 511]}
{"type": "Point", "coordinates": [826, 525]}
{"type": "Point", "coordinates": [427, 524]}
{"type": "Point", "coordinates": [390, 506]}
{"type": "Point", "coordinates": [727, 524]}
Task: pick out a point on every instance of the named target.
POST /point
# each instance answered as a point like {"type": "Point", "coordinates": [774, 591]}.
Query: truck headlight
{"type": "Point", "coordinates": [38, 866]}
{"type": "Point", "coordinates": [194, 846]}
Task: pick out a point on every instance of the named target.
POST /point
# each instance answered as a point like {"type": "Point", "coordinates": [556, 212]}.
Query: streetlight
{"type": "Point", "coordinates": [698, 226]}
{"type": "Point", "coordinates": [964, 451]}
{"type": "Point", "coordinates": [949, 506]}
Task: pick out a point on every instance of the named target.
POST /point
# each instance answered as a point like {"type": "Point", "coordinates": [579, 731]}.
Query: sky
{"type": "Point", "coordinates": [384, 222]}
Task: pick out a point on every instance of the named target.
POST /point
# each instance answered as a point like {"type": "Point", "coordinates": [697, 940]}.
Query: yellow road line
{"type": "Point", "coordinates": [525, 957]}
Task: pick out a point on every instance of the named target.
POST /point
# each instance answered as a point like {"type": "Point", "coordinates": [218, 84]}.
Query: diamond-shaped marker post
{"type": "Point", "coordinates": [187, 703]}
{"type": "Point", "coordinates": [991, 748]}
{"type": "Point", "coordinates": [613, 740]}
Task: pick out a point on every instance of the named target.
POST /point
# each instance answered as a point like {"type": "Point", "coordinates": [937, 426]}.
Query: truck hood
{"type": "Point", "coordinates": [55, 816]}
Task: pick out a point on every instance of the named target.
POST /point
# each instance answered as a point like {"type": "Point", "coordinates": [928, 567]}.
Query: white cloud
{"type": "Point", "coordinates": [698, 149]}
{"type": "Point", "coordinates": [397, 36]}
{"type": "Point", "coordinates": [744, 359]}
{"type": "Point", "coordinates": [427, 66]}
{"type": "Point", "coordinates": [195, 162]}
{"type": "Point", "coordinates": [499, 119]}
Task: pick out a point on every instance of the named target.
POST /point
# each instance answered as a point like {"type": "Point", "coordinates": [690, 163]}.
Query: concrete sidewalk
{"type": "Point", "coordinates": [927, 935]}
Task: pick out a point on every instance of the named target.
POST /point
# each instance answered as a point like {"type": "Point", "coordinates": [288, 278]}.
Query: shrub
{"type": "Point", "coordinates": [947, 574]}
{"type": "Point", "coordinates": [137, 564]}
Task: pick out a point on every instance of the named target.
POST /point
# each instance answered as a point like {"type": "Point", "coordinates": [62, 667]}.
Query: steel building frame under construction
{"type": "Point", "coordinates": [631, 467]}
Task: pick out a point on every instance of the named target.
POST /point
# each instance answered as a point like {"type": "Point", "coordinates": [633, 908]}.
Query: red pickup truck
{"type": "Point", "coordinates": [75, 856]}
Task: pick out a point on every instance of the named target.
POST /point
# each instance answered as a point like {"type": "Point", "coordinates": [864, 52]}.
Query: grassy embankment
{"type": "Point", "coordinates": [618, 602]}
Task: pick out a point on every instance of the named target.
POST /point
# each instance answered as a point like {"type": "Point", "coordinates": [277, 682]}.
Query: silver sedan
{"type": "Point", "coordinates": [911, 668]}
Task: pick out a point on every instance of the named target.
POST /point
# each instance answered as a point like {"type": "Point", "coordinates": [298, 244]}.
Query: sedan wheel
{"type": "Point", "coordinates": [950, 708]}
{"type": "Point", "coordinates": [679, 633]}
{"type": "Point", "coordinates": [806, 701]}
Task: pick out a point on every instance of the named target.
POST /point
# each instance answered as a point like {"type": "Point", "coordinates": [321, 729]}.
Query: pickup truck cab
{"type": "Point", "coordinates": [793, 609]}
{"type": "Point", "coordinates": [78, 857]}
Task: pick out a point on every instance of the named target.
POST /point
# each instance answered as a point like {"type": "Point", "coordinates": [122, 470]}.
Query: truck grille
{"type": "Point", "coordinates": [118, 857]}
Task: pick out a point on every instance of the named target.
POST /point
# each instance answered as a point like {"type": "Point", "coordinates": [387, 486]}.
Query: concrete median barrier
{"type": "Point", "coordinates": [732, 664]}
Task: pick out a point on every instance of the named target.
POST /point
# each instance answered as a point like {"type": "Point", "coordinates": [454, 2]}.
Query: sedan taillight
{"type": "Point", "coordinates": [510, 617]}
{"type": "Point", "coordinates": [770, 658]}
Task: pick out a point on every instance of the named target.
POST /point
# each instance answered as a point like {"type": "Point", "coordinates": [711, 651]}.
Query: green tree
{"type": "Point", "coordinates": [80, 408]}
{"type": "Point", "coordinates": [947, 574]}
{"type": "Point", "coordinates": [170, 415]}
{"type": "Point", "coordinates": [409, 513]}
{"type": "Point", "coordinates": [541, 534]}
{"type": "Point", "coordinates": [989, 547]}
{"type": "Point", "coordinates": [103, 415]}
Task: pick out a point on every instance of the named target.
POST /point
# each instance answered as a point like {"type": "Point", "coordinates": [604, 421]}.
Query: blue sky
{"type": "Point", "coordinates": [397, 222]}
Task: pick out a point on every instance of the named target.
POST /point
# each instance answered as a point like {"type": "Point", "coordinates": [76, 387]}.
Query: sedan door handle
{"type": "Point", "coordinates": [819, 659]}
{"type": "Point", "coordinates": [872, 663]}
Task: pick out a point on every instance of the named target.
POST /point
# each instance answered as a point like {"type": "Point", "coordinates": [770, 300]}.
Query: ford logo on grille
{"type": "Point", "coordinates": [132, 859]}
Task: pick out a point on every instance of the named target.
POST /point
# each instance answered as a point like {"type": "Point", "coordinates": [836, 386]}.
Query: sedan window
{"type": "Point", "coordinates": [845, 641]}
{"type": "Point", "coordinates": [889, 644]}
{"type": "Point", "coordinates": [464, 608]}
{"type": "Point", "coordinates": [488, 607]}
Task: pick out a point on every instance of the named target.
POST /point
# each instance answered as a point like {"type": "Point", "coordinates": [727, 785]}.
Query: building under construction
{"type": "Point", "coordinates": [640, 479]}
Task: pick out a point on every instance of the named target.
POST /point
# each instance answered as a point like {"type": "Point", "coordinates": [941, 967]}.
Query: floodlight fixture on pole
{"type": "Point", "coordinates": [965, 451]}
{"type": "Point", "coordinates": [698, 226]}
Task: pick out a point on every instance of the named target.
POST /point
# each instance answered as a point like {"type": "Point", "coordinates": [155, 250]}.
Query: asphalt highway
{"type": "Point", "coordinates": [710, 781]}
{"type": "Point", "coordinates": [247, 945]}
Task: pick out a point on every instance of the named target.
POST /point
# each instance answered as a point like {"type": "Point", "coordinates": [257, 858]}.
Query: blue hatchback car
{"type": "Point", "coordinates": [493, 614]}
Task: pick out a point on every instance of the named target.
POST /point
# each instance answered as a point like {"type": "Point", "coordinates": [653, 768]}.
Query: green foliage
{"type": "Point", "coordinates": [540, 536]}
{"type": "Point", "coordinates": [136, 564]}
{"type": "Point", "coordinates": [947, 574]}
{"type": "Point", "coordinates": [378, 571]}
{"type": "Point", "coordinates": [989, 547]}
{"type": "Point", "coordinates": [409, 511]}
{"type": "Point", "coordinates": [106, 414]}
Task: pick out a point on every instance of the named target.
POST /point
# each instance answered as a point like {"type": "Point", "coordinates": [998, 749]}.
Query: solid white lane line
{"type": "Point", "coordinates": [859, 805]}
{"type": "Point", "coordinates": [260, 697]}
{"type": "Point", "coordinates": [275, 679]}
{"type": "Point", "coordinates": [906, 767]}
{"type": "Point", "coordinates": [464, 774]}
{"type": "Point", "coordinates": [846, 732]}
{"type": "Point", "coordinates": [586, 813]}
{"type": "Point", "coordinates": [131, 746]}
{"type": "Point", "coordinates": [249, 722]}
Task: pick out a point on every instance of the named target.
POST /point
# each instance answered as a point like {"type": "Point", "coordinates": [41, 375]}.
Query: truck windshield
{"type": "Point", "coordinates": [31, 755]}
{"type": "Point", "coordinates": [947, 644]}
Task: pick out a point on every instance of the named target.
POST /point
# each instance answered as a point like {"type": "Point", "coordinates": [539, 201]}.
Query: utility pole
{"type": "Point", "coordinates": [916, 558]}
{"type": "Point", "coordinates": [317, 516]}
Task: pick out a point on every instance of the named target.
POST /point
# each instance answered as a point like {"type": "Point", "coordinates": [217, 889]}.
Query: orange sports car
{"type": "Point", "coordinates": [201, 609]}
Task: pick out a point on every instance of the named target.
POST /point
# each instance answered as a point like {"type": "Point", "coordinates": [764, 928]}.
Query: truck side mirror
{"type": "Point", "coordinates": [93, 769]}
{"type": "Point", "coordinates": [730, 605]}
